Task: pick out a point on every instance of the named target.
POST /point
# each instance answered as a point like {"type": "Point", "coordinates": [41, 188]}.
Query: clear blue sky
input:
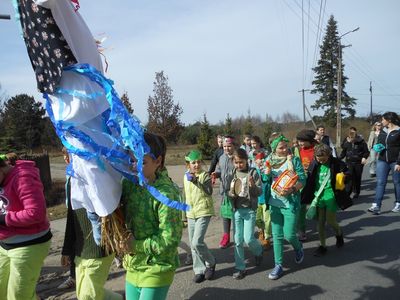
{"type": "Point", "coordinates": [228, 56]}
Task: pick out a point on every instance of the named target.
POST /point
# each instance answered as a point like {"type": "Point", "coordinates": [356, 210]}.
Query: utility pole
{"type": "Point", "coordinates": [304, 105]}
{"type": "Point", "coordinates": [370, 91]}
{"type": "Point", "coordinates": [339, 99]}
{"type": "Point", "coordinates": [339, 91]}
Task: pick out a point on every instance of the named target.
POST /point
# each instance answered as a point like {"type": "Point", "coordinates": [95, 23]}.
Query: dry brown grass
{"type": "Point", "coordinates": [56, 212]}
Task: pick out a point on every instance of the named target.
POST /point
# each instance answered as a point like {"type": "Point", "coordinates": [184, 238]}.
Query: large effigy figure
{"type": "Point", "coordinates": [88, 116]}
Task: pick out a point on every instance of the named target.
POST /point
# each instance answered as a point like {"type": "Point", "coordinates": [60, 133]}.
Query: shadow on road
{"type": "Point", "coordinates": [377, 292]}
{"type": "Point", "coordinates": [288, 291]}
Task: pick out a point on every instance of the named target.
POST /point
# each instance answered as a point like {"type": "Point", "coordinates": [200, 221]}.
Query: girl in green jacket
{"type": "Point", "coordinates": [198, 190]}
{"type": "Point", "coordinates": [156, 229]}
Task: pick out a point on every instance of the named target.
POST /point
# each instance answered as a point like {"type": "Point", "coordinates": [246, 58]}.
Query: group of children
{"type": "Point", "coordinates": [248, 199]}
{"type": "Point", "coordinates": [247, 179]}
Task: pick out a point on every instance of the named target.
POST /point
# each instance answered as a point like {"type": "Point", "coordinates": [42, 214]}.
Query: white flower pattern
{"type": "Point", "coordinates": [47, 48]}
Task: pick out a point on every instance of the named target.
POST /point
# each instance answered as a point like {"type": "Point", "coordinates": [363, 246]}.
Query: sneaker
{"type": "Point", "coordinates": [198, 278]}
{"type": "Point", "coordinates": [299, 256]}
{"type": "Point", "coordinates": [209, 273]}
{"type": "Point", "coordinates": [355, 196]}
{"type": "Point", "coordinates": [239, 275]}
{"type": "Point", "coordinates": [224, 241]}
{"type": "Point", "coordinates": [320, 251]}
{"type": "Point", "coordinates": [67, 284]}
{"type": "Point", "coordinates": [276, 272]}
{"type": "Point", "coordinates": [374, 209]}
{"type": "Point", "coordinates": [301, 235]}
{"type": "Point", "coordinates": [339, 241]}
{"type": "Point", "coordinates": [396, 207]}
{"type": "Point", "coordinates": [258, 259]}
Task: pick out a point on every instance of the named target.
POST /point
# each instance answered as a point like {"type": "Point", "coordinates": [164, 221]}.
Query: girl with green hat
{"type": "Point", "coordinates": [284, 205]}
{"type": "Point", "coordinates": [198, 189]}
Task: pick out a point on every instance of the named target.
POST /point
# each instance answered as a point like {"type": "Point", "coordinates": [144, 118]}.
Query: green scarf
{"type": "Point", "coordinates": [276, 161]}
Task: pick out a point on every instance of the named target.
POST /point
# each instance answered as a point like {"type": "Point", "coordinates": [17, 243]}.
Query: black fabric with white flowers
{"type": "Point", "coordinates": [47, 48]}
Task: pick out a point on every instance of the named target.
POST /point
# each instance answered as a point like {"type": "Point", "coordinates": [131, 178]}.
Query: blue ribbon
{"type": "Point", "coordinates": [121, 128]}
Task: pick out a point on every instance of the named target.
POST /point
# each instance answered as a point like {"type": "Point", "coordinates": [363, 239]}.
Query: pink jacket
{"type": "Point", "coordinates": [22, 200]}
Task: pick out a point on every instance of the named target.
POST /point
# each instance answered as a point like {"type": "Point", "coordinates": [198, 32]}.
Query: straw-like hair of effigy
{"type": "Point", "coordinates": [115, 237]}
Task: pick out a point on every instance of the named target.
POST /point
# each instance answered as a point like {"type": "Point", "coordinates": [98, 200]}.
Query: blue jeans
{"type": "Point", "coordinates": [382, 172]}
{"type": "Point", "coordinates": [245, 222]}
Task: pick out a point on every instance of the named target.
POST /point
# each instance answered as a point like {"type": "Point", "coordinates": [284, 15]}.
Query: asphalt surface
{"type": "Point", "coordinates": [367, 267]}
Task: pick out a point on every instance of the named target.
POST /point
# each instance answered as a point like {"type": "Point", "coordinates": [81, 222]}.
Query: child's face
{"type": "Point", "coordinates": [282, 149]}
{"type": "Point", "coordinates": [255, 145]}
{"type": "Point", "coordinates": [150, 166]}
{"type": "Point", "coordinates": [228, 148]}
{"type": "Point", "coordinates": [240, 163]}
{"type": "Point", "coordinates": [195, 166]}
{"type": "Point", "coordinates": [220, 142]}
{"type": "Point", "coordinates": [247, 141]}
{"type": "Point", "coordinates": [323, 159]}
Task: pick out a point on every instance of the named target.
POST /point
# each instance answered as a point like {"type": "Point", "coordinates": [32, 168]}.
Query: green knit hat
{"type": "Point", "coordinates": [193, 156]}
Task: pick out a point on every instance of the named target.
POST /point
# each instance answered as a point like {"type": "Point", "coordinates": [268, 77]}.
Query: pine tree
{"type": "Point", "coordinates": [228, 130]}
{"type": "Point", "coordinates": [267, 130]}
{"type": "Point", "coordinates": [205, 139]}
{"type": "Point", "coordinates": [326, 79]}
{"type": "Point", "coordinates": [248, 127]}
{"type": "Point", "coordinates": [164, 114]}
{"type": "Point", "coordinates": [125, 100]}
{"type": "Point", "coordinates": [22, 122]}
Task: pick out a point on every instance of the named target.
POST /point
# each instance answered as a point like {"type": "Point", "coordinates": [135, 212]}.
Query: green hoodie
{"type": "Point", "coordinates": [157, 229]}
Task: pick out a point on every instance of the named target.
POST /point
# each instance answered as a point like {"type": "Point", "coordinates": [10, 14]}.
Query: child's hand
{"type": "Point", "coordinates": [251, 181]}
{"type": "Point", "coordinates": [213, 178]}
{"type": "Point", "coordinates": [65, 261]}
{"type": "Point", "coordinates": [267, 169]}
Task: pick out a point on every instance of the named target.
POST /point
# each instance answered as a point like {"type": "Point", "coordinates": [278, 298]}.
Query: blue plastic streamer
{"type": "Point", "coordinates": [122, 129]}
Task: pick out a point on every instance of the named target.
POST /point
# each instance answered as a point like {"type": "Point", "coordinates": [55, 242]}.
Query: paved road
{"type": "Point", "coordinates": [367, 267]}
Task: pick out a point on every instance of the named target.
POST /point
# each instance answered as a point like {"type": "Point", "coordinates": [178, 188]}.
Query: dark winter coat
{"type": "Point", "coordinates": [391, 141]}
{"type": "Point", "coordinates": [336, 166]}
{"type": "Point", "coordinates": [354, 151]}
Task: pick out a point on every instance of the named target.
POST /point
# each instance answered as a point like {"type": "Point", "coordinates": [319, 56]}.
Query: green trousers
{"type": "Point", "coordinates": [301, 221]}
{"type": "Point", "coordinates": [146, 293]}
{"type": "Point", "coordinates": [326, 216]}
{"type": "Point", "coordinates": [284, 223]}
{"type": "Point", "coordinates": [91, 275]}
{"type": "Point", "coordinates": [20, 271]}
{"type": "Point", "coordinates": [263, 220]}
